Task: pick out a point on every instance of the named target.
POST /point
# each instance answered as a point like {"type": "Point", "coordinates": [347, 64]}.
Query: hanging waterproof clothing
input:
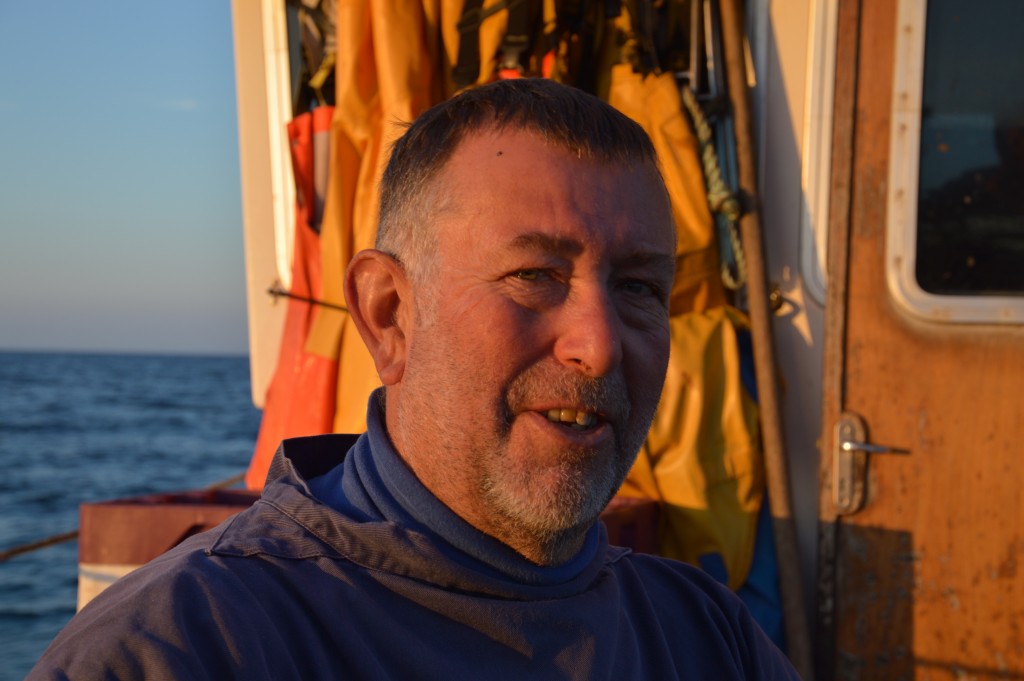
{"type": "Point", "coordinates": [300, 399]}
{"type": "Point", "coordinates": [487, 40]}
{"type": "Point", "coordinates": [385, 75]}
{"type": "Point", "coordinates": [702, 459]}
{"type": "Point", "coordinates": [654, 102]}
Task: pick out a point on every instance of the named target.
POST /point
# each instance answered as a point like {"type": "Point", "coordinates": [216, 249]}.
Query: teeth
{"type": "Point", "coordinates": [581, 419]}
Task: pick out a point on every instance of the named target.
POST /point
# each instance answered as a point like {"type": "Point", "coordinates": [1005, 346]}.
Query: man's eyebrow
{"type": "Point", "coordinates": [538, 241]}
{"type": "Point", "coordinates": [661, 263]}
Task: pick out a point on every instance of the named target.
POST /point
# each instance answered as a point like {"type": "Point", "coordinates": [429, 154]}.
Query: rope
{"type": "Point", "coordinates": [28, 547]}
{"type": "Point", "coordinates": [40, 544]}
{"type": "Point", "coordinates": [277, 292]}
{"type": "Point", "coordinates": [721, 199]}
{"type": "Point", "coordinates": [224, 484]}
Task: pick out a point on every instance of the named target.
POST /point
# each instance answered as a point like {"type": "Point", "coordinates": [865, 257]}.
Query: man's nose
{"type": "Point", "coordinates": [590, 338]}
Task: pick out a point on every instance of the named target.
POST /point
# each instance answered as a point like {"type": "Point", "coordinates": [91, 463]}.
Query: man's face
{"type": "Point", "coordinates": [538, 354]}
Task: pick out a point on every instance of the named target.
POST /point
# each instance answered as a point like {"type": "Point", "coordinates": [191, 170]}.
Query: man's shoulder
{"type": "Point", "coordinates": [192, 569]}
{"type": "Point", "coordinates": [690, 606]}
{"type": "Point", "coordinates": [178, 616]}
{"type": "Point", "coordinates": [653, 569]}
{"type": "Point", "coordinates": [670, 586]}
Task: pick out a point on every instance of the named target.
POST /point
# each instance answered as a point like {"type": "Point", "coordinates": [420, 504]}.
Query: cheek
{"type": "Point", "coordinates": [481, 355]}
{"type": "Point", "coordinates": [646, 362]}
{"type": "Point", "coordinates": [503, 333]}
{"type": "Point", "coordinates": [648, 347]}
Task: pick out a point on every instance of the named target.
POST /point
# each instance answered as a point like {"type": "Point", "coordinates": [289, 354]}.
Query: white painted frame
{"type": "Point", "coordinates": [904, 155]}
{"type": "Point", "coordinates": [263, 85]}
{"type": "Point", "coordinates": [816, 155]}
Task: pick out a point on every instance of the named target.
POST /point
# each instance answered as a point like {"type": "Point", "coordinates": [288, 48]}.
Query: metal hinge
{"type": "Point", "coordinates": [850, 463]}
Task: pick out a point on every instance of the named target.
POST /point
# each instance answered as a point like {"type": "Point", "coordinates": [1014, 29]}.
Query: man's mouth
{"type": "Point", "coordinates": [573, 418]}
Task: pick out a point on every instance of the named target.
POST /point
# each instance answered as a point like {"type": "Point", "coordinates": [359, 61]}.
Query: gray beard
{"type": "Point", "coordinates": [557, 514]}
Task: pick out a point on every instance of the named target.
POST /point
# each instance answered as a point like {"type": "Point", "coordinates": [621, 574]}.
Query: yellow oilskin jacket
{"type": "Point", "coordinates": [702, 459]}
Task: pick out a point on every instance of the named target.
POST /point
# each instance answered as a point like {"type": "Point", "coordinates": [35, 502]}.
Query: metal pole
{"type": "Point", "coordinates": [790, 583]}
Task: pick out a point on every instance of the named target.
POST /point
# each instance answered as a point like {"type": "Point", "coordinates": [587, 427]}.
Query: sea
{"type": "Point", "coordinates": [78, 428]}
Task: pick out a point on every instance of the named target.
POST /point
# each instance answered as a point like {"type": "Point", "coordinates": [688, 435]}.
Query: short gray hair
{"type": "Point", "coordinates": [563, 116]}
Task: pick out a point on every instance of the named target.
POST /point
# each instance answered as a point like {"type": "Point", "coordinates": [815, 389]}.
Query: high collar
{"type": "Point", "coordinates": [378, 515]}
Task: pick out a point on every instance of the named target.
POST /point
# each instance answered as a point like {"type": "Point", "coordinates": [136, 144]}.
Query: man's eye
{"type": "Point", "coordinates": [640, 288]}
{"type": "Point", "coordinates": [527, 275]}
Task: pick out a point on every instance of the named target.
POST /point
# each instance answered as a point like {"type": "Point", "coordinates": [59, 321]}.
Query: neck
{"type": "Point", "coordinates": [546, 551]}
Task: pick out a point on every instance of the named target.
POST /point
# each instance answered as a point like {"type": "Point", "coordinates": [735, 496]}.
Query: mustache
{"type": "Point", "coordinates": [606, 395]}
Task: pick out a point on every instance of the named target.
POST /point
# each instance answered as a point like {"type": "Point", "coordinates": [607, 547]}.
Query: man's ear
{"type": "Point", "coordinates": [377, 294]}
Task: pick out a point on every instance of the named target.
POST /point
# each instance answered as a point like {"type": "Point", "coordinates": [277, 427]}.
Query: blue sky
{"type": "Point", "coordinates": [120, 207]}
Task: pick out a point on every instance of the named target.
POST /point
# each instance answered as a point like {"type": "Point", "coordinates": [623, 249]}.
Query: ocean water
{"type": "Point", "coordinates": [77, 428]}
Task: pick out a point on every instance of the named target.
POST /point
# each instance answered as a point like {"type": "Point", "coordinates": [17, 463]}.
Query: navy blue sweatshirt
{"type": "Point", "coordinates": [348, 568]}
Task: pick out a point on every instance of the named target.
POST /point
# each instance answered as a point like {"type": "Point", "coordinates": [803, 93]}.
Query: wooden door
{"type": "Point", "coordinates": [925, 580]}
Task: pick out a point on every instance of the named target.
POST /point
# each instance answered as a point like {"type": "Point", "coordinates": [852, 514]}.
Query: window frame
{"type": "Point", "coordinates": [902, 198]}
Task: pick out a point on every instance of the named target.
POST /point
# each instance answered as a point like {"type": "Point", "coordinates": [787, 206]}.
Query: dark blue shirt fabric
{"type": "Point", "coordinates": [347, 567]}
{"type": "Point", "coordinates": [374, 484]}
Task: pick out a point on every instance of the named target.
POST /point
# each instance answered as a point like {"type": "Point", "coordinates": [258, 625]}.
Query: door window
{"type": "Point", "coordinates": [956, 230]}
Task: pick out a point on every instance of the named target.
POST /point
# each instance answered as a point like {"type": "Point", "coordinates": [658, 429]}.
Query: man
{"type": "Point", "coordinates": [516, 310]}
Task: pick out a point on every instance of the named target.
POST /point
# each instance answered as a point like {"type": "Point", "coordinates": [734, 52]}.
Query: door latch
{"type": "Point", "coordinates": [850, 463]}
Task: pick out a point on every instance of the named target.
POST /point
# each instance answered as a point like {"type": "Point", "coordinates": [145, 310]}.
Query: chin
{"type": "Point", "coordinates": [567, 498]}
